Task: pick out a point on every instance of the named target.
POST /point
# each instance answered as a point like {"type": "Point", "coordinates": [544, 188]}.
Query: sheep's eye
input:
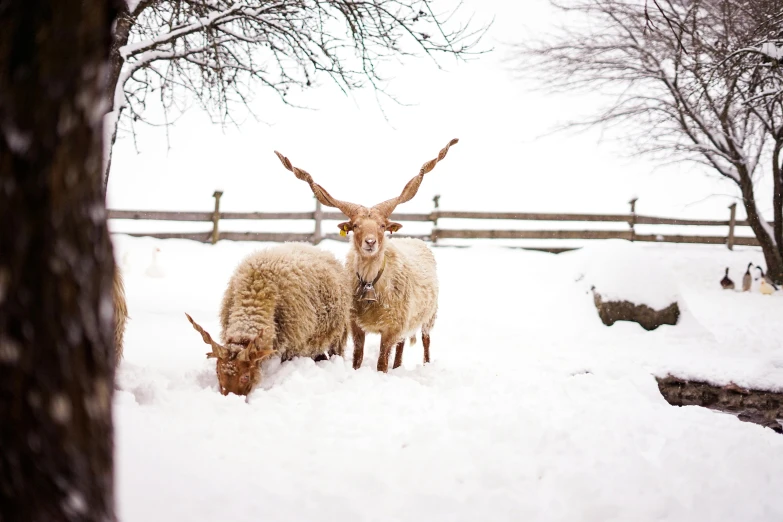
{"type": "Point", "coordinates": [383, 226]}
{"type": "Point", "coordinates": [244, 379]}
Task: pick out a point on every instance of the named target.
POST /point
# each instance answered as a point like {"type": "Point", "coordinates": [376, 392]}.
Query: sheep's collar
{"type": "Point", "coordinates": [366, 290]}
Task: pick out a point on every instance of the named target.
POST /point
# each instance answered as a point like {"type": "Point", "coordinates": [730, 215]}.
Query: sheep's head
{"type": "Point", "coordinates": [369, 225]}
{"type": "Point", "coordinates": [369, 229]}
{"type": "Point", "coordinates": [238, 364]}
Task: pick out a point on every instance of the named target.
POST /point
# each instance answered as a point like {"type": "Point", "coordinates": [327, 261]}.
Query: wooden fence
{"type": "Point", "coordinates": [318, 216]}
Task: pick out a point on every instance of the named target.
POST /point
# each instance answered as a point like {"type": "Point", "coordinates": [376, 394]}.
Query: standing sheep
{"type": "Point", "coordinates": [292, 300]}
{"type": "Point", "coordinates": [396, 285]}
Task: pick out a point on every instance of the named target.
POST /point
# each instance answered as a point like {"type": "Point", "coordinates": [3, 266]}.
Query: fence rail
{"type": "Point", "coordinates": [318, 216]}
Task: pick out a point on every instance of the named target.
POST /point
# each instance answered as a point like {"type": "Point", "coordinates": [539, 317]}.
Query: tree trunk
{"type": "Point", "coordinates": [772, 255]}
{"type": "Point", "coordinates": [56, 266]}
{"type": "Point", "coordinates": [119, 37]}
{"type": "Point", "coordinates": [777, 198]}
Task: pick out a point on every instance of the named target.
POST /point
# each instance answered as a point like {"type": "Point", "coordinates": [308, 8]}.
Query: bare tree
{"type": "Point", "coordinates": [758, 56]}
{"type": "Point", "coordinates": [56, 315]}
{"type": "Point", "coordinates": [674, 90]}
{"type": "Point", "coordinates": [215, 51]}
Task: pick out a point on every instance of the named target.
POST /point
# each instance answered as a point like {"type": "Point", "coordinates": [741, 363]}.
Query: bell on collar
{"type": "Point", "coordinates": [368, 293]}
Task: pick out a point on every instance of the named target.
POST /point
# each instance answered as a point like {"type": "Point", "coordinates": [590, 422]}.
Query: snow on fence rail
{"type": "Point", "coordinates": [318, 216]}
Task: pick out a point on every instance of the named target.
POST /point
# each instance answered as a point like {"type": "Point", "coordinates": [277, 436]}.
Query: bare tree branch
{"type": "Point", "coordinates": [675, 92]}
{"type": "Point", "coordinates": [216, 52]}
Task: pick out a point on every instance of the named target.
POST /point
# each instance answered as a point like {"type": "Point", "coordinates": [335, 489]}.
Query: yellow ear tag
{"type": "Point", "coordinates": [343, 232]}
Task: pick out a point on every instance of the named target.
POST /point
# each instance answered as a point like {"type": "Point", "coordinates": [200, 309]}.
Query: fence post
{"type": "Point", "coordinates": [318, 216]}
{"type": "Point", "coordinates": [732, 224]}
{"type": "Point", "coordinates": [216, 216]}
{"type": "Point", "coordinates": [633, 218]}
{"type": "Point", "coordinates": [434, 214]}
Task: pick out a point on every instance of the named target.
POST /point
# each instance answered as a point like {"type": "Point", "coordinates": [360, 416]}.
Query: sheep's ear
{"type": "Point", "coordinates": [393, 227]}
{"type": "Point", "coordinates": [345, 227]}
{"type": "Point", "coordinates": [255, 350]}
{"type": "Point", "coordinates": [260, 355]}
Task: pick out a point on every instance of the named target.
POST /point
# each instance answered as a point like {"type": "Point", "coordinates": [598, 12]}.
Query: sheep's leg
{"type": "Point", "coordinates": [398, 354]}
{"type": "Point", "coordinates": [320, 357]}
{"type": "Point", "coordinates": [383, 357]}
{"type": "Point", "coordinates": [339, 345]}
{"type": "Point", "coordinates": [358, 345]}
{"type": "Point", "coordinates": [425, 340]}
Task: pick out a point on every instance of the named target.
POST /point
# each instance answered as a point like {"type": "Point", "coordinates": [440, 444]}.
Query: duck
{"type": "Point", "coordinates": [747, 279]}
{"type": "Point", "coordinates": [727, 283]}
{"type": "Point", "coordinates": [767, 286]}
{"type": "Point", "coordinates": [126, 262]}
{"type": "Point", "coordinates": [154, 269]}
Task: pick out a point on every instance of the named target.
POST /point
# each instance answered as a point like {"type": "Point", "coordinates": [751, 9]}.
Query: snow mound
{"type": "Point", "coordinates": [622, 271]}
{"type": "Point", "coordinates": [518, 416]}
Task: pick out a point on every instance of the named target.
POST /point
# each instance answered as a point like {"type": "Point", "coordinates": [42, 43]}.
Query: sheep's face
{"type": "Point", "coordinates": [238, 374]}
{"type": "Point", "coordinates": [238, 363]}
{"type": "Point", "coordinates": [369, 231]}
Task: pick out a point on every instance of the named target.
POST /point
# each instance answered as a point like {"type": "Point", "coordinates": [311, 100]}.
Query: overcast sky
{"type": "Point", "coordinates": [506, 160]}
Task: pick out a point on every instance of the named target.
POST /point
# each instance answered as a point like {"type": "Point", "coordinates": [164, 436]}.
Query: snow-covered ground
{"type": "Point", "coordinates": [532, 409]}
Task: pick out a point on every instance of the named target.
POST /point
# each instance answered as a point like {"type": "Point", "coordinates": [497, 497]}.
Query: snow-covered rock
{"type": "Point", "coordinates": [629, 285]}
{"type": "Point", "coordinates": [612, 311]}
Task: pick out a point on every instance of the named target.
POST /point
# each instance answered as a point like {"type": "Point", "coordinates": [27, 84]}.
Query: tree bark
{"type": "Point", "coordinates": [771, 251]}
{"type": "Point", "coordinates": [119, 38]}
{"type": "Point", "coordinates": [777, 197]}
{"type": "Point", "coordinates": [56, 266]}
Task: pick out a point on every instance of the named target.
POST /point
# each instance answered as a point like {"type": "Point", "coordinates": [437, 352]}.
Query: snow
{"type": "Point", "coordinates": [532, 409]}
{"type": "Point", "coordinates": [772, 49]}
{"type": "Point", "coordinates": [17, 140]}
{"type": "Point", "coordinates": [60, 408]}
{"type": "Point", "coordinates": [75, 504]}
{"type": "Point", "coordinates": [110, 121]}
{"type": "Point", "coordinates": [9, 351]}
{"type": "Point", "coordinates": [622, 271]}
{"type": "Point", "coordinates": [132, 5]}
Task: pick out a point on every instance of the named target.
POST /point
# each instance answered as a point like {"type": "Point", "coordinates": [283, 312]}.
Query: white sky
{"type": "Point", "coordinates": [501, 162]}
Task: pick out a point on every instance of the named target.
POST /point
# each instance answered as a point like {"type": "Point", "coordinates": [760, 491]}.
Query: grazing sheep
{"type": "Point", "coordinates": [292, 300]}
{"type": "Point", "coordinates": [396, 285]}
{"type": "Point", "coordinates": [120, 314]}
